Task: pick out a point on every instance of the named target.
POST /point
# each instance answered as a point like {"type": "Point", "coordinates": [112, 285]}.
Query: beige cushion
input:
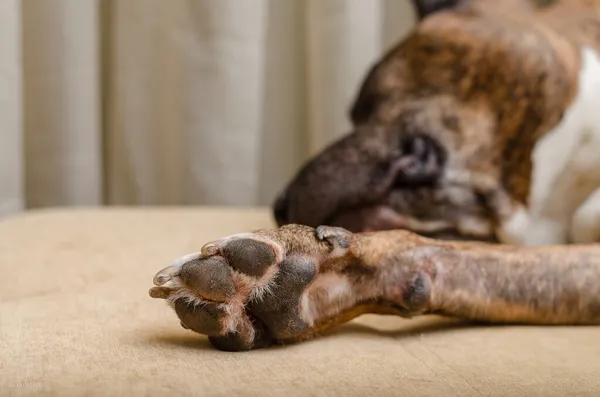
{"type": "Point", "coordinates": [76, 319]}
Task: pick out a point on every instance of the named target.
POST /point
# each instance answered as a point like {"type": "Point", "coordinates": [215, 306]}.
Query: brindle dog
{"type": "Point", "coordinates": [483, 124]}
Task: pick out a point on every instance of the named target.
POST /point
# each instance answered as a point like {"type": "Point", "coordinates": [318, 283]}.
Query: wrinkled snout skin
{"type": "Point", "coordinates": [358, 170]}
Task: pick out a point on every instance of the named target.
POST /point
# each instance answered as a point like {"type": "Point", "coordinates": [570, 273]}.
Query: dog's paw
{"type": "Point", "coordinates": [251, 290]}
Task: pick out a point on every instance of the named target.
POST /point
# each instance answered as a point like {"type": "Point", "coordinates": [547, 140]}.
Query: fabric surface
{"type": "Point", "coordinates": [76, 319]}
{"type": "Point", "coordinates": [149, 102]}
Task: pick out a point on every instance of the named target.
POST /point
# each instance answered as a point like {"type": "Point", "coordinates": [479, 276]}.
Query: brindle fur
{"type": "Point", "coordinates": [483, 81]}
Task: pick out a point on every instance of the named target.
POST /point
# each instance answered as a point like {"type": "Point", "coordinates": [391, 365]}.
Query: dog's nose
{"type": "Point", "coordinates": [280, 209]}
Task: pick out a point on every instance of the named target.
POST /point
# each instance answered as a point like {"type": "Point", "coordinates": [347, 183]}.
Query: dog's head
{"type": "Point", "coordinates": [436, 112]}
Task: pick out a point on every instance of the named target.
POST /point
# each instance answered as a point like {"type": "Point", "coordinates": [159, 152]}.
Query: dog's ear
{"type": "Point", "coordinates": [421, 160]}
{"type": "Point", "coordinates": [427, 7]}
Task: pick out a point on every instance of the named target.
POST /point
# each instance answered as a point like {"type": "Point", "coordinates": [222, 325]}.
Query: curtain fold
{"type": "Point", "coordinates": [11, 139]}
{"type": "Point", "coordinates": [61, 104]}
{"type": "Point", "coordinates": [185, 102]}
{"type": "Point", "coordinates": [344, 37]}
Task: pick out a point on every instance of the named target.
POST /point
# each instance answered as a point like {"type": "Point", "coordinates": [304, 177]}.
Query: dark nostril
{"type": "Point", "coordinates": [280, 210]}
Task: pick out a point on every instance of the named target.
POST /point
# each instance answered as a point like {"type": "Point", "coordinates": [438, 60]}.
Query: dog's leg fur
{"type": "Point", "coordinates": [284, 285]}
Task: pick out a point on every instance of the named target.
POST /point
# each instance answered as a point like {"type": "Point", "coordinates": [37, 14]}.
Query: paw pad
{"type": "Point", "coordinates": [249, 256]}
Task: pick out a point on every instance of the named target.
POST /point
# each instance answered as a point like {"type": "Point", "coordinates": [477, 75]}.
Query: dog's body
{"type": "Point", "coordinates": [563, 184]}
{"type": "Point", "coordinates": [483, 124]}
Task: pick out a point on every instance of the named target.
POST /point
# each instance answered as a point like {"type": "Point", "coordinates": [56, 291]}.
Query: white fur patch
{"type": "Point", "coordinates": [585, 228]}
{"type": "Point", "coordinates": [325, 297]}
{"type": "Point", "coordinates": [566, 167]}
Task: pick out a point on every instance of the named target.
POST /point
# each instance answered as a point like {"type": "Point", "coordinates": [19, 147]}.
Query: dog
{"type": "Point", "coordinates": [469, 187]}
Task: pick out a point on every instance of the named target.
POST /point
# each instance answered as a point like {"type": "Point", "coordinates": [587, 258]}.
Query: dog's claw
{"type": "Point", "coordinates": [209, 249]}
{"type": "Point", "coordinates": [335, 236]}
{"type": "Point", "coordinates": [168, 273]}
{"type": "Point", "coordinates": [160, 279]}
{"type": "Point", "coordinates": [160, 292]}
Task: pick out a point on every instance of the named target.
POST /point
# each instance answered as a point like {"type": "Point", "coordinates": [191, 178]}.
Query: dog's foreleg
{"type": "Point", "coordinates": [494, 283]}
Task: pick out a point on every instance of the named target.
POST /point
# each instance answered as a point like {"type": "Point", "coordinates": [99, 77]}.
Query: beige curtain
{"type": "Point", "coordinates": [179, 102]}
